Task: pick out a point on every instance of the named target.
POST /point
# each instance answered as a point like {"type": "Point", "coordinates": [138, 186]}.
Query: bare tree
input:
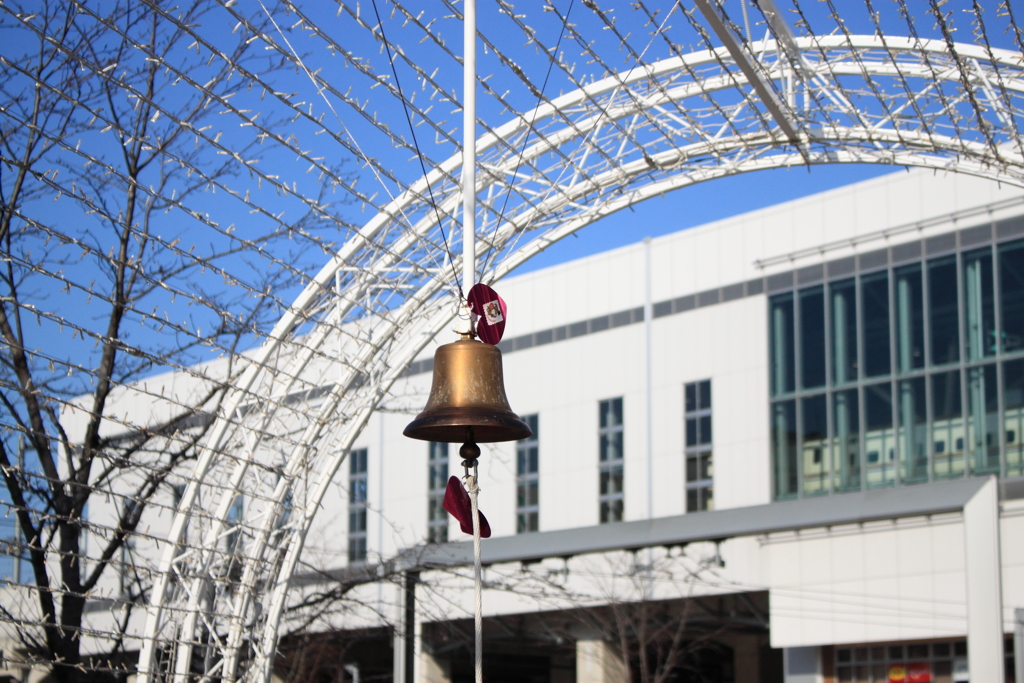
{"type": "Point", "coordinates": [652, 609]}
{"type": "Point", "coordinates": [108, 167]}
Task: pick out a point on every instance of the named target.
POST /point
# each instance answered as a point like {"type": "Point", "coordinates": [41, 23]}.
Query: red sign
{"type": "Point", "coordinates": [919, 672]}
{"type": "Point", "coordinates": [491, 308]}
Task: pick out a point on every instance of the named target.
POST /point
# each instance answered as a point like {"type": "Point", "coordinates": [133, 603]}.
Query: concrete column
{"type": "Point", "coordinates": [984, 586]}
{"type": "Point", "coordinates": [432, 669]}
{"type": "Point", "coordinates": [404, 649]}
{"type": "Point", "coordinates": [802, 664]}
{"type": "Point", "coordinates": [746, 659]}
{"type": "Point", "coordinates": [599, 662]}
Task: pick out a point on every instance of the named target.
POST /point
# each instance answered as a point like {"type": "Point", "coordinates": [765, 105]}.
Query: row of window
{"type": "Point", "coordinates": [904, 375]}
{"type": "Point", "coordinates": [611, 499]}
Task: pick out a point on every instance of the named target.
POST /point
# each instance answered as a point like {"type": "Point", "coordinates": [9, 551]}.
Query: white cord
{"type": "Point", "coordinates": [474, 491]}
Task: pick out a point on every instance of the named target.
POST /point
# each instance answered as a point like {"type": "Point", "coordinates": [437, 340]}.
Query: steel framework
{"type": "Point", "coordinates": [617, 138]}
{"type": "Point", "coordinates": [609, 145]}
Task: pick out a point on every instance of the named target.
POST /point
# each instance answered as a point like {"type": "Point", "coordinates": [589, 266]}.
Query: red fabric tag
{"type": "Point", "coordinates": [491, 308]}
{"type": "Point", "coordinates": [458, 505]}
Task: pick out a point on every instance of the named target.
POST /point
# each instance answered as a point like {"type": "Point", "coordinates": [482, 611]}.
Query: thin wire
{"type": "Point", "coordinates": [478, 581]}
{"type": "Point", "coordinates": [355, 142]}
{"type": "Point", "coordinates": [618, 89]}
{"type": "Point", "coordinates": [416, 144]}
{"type": "Point", "coordinates": [530, 129]}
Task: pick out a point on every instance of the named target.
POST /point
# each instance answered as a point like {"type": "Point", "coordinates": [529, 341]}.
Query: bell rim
{"type": "Point", "coordinates": [488, 428]}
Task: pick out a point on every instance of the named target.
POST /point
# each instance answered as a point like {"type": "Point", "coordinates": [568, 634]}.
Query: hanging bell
{"type": "Point", "coordinates": [467, 400]}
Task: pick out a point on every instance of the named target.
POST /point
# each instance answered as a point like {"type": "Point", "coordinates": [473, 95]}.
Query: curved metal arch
{"type": "Point", "coordinates": [382, 298]}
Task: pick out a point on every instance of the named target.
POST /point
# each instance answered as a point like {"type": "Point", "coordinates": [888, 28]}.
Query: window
{"type": "Point", "coordinates": [357, 506]}
{"type": "Point", "coordinates": [610, 435]}
{"type": "Point", "coordinates": [898, 375]}
{"type": "Point", "coordinates": [884, 662]}
{"type": "Point", "coordinates": [126, 573]}
{"type": "Point", "coordinates": [235, 515]}
{"type": "Point", "coordinates": [437, 518]}
{"type": "Point", "coordinates": [527, 485]}
{"type": "Point", "coordinates": [699, 471]}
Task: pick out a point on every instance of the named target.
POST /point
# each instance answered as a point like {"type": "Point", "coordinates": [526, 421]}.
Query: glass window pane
{"type": "Point", "coordinates": [611, 480]}
{"type": "Point", "coordinates": [438, 450]}
{"type": "Point", "coordinates": [691, 468]}
{"type": "Point", "coordinates": [357, 491]}
{"type": "Point", "coordinates": [879, 444]}
{"type": "Point", "coordinates": [812, 337]}
{"type": "Point", "coordinates": [1013, 422]}
{"type": "Point", "coordinates": [438, 476]}
{"type": "Point", "coordinates": [846, 442]}
{"type": "Point", "coordinates": [691, 431]}
{"type": "Point", "coordinates": [692, 500]}
{"type": "Point", "coordinates": [706, 466]}
{"type": "Point", "coordinates": [983, 420]}
{"type": "Point", "coordinates": [705, 429]}
{"type": "Point", "coordinates": [708, 501]}
{"type": "Point", "coordinates": [435, 508]}
{"type": "Point", "coordinates": [814, 433]}
{"type": "Point", "coordinates": [705, 394]}
{"type": "Point", "coordinates": [691, 397]}
{"type": "Point", "coordinates": [784, 461]}
{"type": "Point", "coordinates": [943, 311]}
{"type": "Point", "coordinates": [611, 446]}
{"type": "Point", "coordinates": [611, 511]}
{"type": "Point", "coordinates": [1011, 294]}
{"type": "Point", "coordinates": [844, 331]}
{"type": "Point", "coordinates": [909, 319]}
{"type": "Point", "coordinates": [979, 305]}
{"type": "Point", "coordinates": [875, 323]}
{"type": "Point", "coordinates": [611, 413]}
{"type": "Point", "coordinates": [782, 374]}
{"type": "Point", "coordinates": [526, 522]}
{"type": "Point", "coordinates": [947, 426]}
{"type": "Point", "coordinates": [913, 435]}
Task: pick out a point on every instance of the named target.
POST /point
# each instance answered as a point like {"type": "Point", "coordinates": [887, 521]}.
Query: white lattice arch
{"type": "Point", "coordinates": [379, 302]}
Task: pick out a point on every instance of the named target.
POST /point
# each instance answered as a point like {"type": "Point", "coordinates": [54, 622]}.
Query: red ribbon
{"type": "Point", "coordinates": [459, 506]}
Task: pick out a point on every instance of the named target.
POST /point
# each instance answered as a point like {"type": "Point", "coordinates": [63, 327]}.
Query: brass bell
{"type": "Point", "coordinates": [467, 401]}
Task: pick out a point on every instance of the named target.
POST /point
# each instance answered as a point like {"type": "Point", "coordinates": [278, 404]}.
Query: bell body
{"type": "Point", "coordinates": [467, 399]}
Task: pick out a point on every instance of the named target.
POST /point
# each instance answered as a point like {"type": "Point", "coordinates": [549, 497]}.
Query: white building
{"type": "Point", "coordinates": [835, 377]}
{"type": "Point", "coordinates": [797, 411]}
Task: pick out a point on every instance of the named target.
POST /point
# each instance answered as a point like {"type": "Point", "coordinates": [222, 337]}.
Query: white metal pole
{"type": "Point", "coordinates": [469, 148]}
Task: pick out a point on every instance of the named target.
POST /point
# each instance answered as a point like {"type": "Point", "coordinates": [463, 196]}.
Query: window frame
{"type": "Point", "coordinates": [977, 457]}
{"type": "Point", "coordinates": [702, 488]}
{"type": "Point", "coordinates": [358, 490]}
{"type": "Point", "coordinates": [528, 515]}
{"type": "Point", "coordinates": [437, 482]}
{"type": "Point", "coordinates": [611, 505]}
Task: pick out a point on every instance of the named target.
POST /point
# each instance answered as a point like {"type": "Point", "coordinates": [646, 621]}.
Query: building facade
{"type": "Point", "coordinates": [865, 343]}
{"type": "Point", "coordinates": [794, 435]}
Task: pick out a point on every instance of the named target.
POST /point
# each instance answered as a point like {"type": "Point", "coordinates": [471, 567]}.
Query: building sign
{"type": "Point", "coordinates": [919, 672]}
{"type": "Point", "coordinates": [915, 672]}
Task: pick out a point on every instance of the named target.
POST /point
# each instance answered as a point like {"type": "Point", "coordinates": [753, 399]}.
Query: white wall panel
{"type": "Point", "coordinates": [887, 581]}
